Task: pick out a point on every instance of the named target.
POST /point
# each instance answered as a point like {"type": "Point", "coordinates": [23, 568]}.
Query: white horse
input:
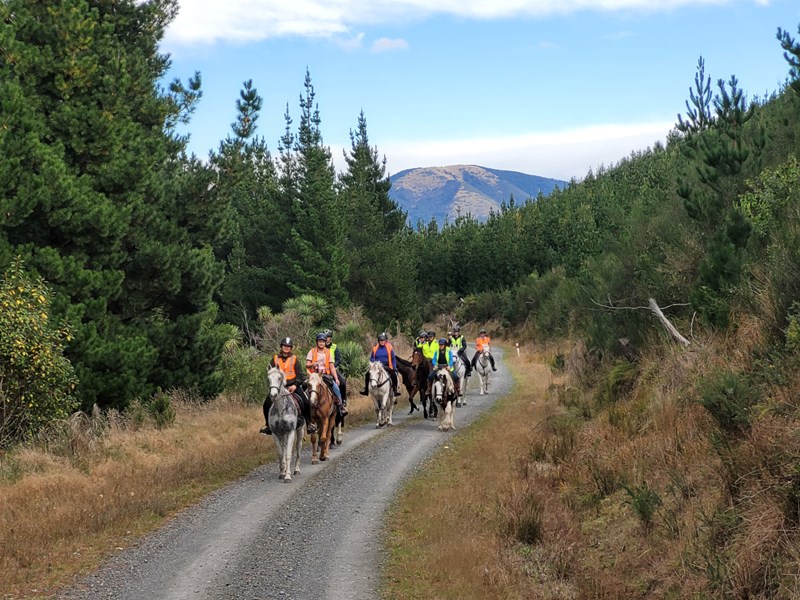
{"type": "Point", "coordinates": [460, 370]}
{"type": "Point", "coordinates": [286, 425]}
{"type": "Point", "coordinates": [380, 388]}
{"type": "Point", "coordinates": [483, 366]}
{"type": "Point", "coordinates": [444, 393]}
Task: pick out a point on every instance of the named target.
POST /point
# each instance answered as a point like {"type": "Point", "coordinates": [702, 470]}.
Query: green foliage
{"type": "Point", "coordinates": [354, 362]}
{"type": "Point", "coordinates": [793, 328]}
{"type": "Point", "coordinates": [644, 502]}
{"type": "Point", "coordinates": [729, 396]}
{"type": "Point", "coordinates": [161, 410]}
{"type": "Point", "coordinates": [36, 381]}
{"type": "Point", "coordinates": [243, 368]}
{"type": "Point", "coordinates": [618, 382]}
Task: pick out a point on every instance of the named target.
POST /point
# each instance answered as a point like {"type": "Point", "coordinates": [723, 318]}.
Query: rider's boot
{"type": "Point", "coordinates": [310, 427]}
{"type": "Point", "coordinates": [265, 430]}
{"type": "Point", "coordinates": [491, 359]}
{"type": "Point", "coordinates": [363, 390]}
{"type": "Point", "coordinates": [341, 409]}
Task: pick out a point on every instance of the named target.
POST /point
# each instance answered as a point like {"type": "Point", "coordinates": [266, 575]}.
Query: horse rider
{"type": "Point", "coordinates": [420, 341]}
{"type": "Point", "coordinates": [286, 361]}
{"type": "Point", "coordinates": [459, 344]}
{"type": "Point", "coordinates": [483, 340]}
{"type": "Point", "coordinates": [444, 357]}
{"type": "Point", "coordinates": [336, 355]}
{"type": "Point", "coordinates": [319, 359]}
{"type": "Point", "coordinates": [383, 352]}
{"type": "Point", "coordinates": [429, 347]}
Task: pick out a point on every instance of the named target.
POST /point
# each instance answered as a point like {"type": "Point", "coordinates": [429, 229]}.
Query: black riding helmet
{"type": "Point", "coordinates": [382, 337]}
{"type": "Point", "coordinates": [287, 341]}
{"type": "Point", "coordinates": [442, 342]}
{"type": "Point", "coordinates": [321, 336]}
{"type": "Point", "coordinates": [431, 333]}
{"type": "Point", "coordinates": [328, 333]}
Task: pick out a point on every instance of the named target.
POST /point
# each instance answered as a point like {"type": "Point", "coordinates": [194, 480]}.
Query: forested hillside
{"type": "Point", "coordinates": [132, 268]}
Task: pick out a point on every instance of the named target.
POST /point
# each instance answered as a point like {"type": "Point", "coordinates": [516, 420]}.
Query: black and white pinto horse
{"type": "Point", "coordinates": [380, 389]}
{"type": "Point", "coordinates": [460, 369]}
{"type": "Point", "coordinates": [444, 394]}
{"type": "Point", "coordinates": [483, 366]}
{"type": "Point", "coordinates": [287, 426]}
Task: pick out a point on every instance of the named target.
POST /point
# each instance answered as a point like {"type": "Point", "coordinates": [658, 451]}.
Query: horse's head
{"type": "Point", "coordinates": [376, 373]}
{"type": "Point", "coordinates": [277, 381]}
{"type": "Point", "coordinates": [315, 384]}
{"type": "Point", "coordinates": [416, 357]}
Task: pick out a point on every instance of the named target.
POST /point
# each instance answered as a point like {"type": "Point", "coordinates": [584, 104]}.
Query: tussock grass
{"type": "Point", "coordinates": [560, 493]}
{"type": "Point", "coordinates": [94, 485]}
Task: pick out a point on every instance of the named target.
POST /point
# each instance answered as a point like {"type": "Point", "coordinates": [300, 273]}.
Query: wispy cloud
{"type": "Point", "coordinates": [547, 45]}
{"type": "Point", "coordinates": [351, 43]}
{"type": "Point", "coordinates": [387, 45]}
{"type": "Point", "coordinates": [241, 21]}
{"type": "Point", "coordinates": [559, 154]}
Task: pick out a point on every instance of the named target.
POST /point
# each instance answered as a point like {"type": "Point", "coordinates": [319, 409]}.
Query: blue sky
{"type": "Point", "coordinates": [546, 87]}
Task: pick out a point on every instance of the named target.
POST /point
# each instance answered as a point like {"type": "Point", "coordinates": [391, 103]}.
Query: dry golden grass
{"type": "Point", "coordinates": [61, 515]}
{"type": "Point", "coordinates": [551, 506]}
{"type": "Point", "coordinates": [449, 530]}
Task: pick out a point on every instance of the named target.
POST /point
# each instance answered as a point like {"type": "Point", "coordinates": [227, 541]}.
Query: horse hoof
{"type": "Point", "coordinates": [287, 479]}
{"type": "Point", "coordinates": [297, 471]}
{"type": "Point", "coordinates": [458, 404]}
{"type": "Point", "coordinates": [338, 442]}
{"type": "Point", "coordinates": [314, 461]}
{"type": "Point", "coordinates": [323, 458]}
{"type": "Point", "coordinates": [282, 476]}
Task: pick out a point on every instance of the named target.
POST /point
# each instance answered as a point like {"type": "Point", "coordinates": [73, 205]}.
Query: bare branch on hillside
{"type": "Point", "coordinates": [653, 307]}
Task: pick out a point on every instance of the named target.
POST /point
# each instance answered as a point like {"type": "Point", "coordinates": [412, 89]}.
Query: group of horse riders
{"type": "Point", "coordinates": [324, 357]}
{"type": "Point", "coordinates": [438, 353]}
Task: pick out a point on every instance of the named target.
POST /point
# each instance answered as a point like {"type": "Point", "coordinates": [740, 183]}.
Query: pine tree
{"type": "Point", "coordinates": [380, 274]}
{"type": "Point", "coordinates": [316, 256]}
{"type": "Point", "coordinates": [85, 194]}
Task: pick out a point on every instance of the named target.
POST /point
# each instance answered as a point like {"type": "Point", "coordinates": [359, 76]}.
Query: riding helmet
{"type": "Point", "coordinates": [456, 329]}
{"type": "Point", "coordinates": [422, 334]}
{"type": "Point", "coordinates": [322, 336]}
{"type": "Point", "coordinates": [431, 333]}
{"type": "Point", "coordinates": [442, 342]}
{"type": "Point", "coordinates": [287, 341]}
{"type": "Point", "coordinates": [483, 331]}
{"type": "Point", "coordinates": [382, 337]}
{"type": "Point", "coordinates": [328, 333]}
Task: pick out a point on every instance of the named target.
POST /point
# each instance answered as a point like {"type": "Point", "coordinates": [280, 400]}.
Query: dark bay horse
{"type": "Point", "coordinates": [322, 413]}
{"type": "Point", "coordinates": [408, 374]}
{"type": "Point", "coordinates": [423, 368]}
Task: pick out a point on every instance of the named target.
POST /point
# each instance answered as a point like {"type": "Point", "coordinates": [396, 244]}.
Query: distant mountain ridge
{"type": "Point", "coordinates": [448, 192]}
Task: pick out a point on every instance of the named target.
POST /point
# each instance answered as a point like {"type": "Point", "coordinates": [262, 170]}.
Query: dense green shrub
{"type": "Point", "coordinates": [37, 382]}
{"type": "Point", "coordinates": [728, 396]}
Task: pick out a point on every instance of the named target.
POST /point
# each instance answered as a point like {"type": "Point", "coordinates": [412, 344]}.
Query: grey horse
{"type": "Point", "coordinates": [286, 425]}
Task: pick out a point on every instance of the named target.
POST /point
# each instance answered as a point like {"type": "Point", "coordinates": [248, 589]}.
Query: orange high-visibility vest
{"type": "Point", "coordinates": [315, 358]}
{"type": "Point", "coordinates": [389, 351]}
{"type": "Point", "coordinates": [287, 365]}
{"type": "Point", "coordinates": [479, 343]}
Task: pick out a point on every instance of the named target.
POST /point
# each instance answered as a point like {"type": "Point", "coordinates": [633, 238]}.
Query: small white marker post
{"type": "Point", "coordinates": [517, 345]}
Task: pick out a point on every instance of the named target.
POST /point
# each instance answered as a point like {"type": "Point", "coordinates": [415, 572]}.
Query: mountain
{"type": "Point", "coordinates": [447, 192]}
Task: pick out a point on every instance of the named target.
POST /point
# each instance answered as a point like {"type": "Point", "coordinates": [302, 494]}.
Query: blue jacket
{"type": "Point", "coordinates": [383, 354]}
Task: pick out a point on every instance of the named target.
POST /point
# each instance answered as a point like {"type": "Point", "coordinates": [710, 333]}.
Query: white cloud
{"type": "Point", "coordinates": [387, 45]}
{"type": "Point", "coordinates": [209, 21]}
{"type": "Point", "coordinates": [350, 44]}
{"type": "Point", "coordinates": [560, 154]}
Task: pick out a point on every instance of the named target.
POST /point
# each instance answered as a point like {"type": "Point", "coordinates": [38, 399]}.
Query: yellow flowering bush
{"type": "Point", "coordinates": [37, 382]}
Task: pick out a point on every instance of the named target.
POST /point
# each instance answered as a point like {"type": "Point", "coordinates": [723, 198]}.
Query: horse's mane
{"type": "Point", "coordinates": [402, 361]}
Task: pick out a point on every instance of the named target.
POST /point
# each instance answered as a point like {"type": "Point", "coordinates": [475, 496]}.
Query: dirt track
{"type": "Point", "coordinates": [317, 537]}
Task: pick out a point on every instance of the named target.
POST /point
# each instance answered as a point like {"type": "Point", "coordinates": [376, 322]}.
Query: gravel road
{"type": "Point", "coordinates": [318, 537]}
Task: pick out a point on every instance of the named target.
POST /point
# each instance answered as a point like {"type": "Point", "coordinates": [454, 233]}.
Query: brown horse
{"type": "Point", "coordinates": [423, 368]}
{"type": "Point", "coordinates": [322, 413]}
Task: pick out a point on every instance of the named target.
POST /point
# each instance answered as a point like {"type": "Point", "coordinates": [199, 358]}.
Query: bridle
{"type": "Point", "coordinates": [384, 376]}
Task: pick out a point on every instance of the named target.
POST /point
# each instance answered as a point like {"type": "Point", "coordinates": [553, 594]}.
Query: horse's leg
{"type": "Point", "coordinates": [298, 448]}
{"type": "Point", "coordinates": [391, 412]}
{"type": "Point", "coordinates": [314, 446]}
{"type": "Point", "coordinates": [288, 451]}
{"type": "Point", "coordinates": [325, 439]}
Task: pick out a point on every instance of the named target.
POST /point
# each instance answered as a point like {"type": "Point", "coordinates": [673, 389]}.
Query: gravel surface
{"type": "Point", "coordinates": [318, 537]}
